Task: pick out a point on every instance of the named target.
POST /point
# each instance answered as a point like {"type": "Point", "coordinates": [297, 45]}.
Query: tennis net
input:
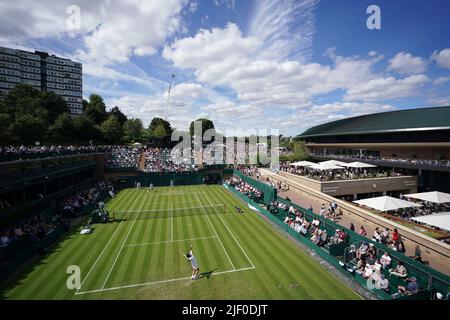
{"type": "Point", "coordinates": [168, 212]}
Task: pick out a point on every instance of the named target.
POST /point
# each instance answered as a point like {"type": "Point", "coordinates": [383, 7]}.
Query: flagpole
{"type": "Point", "coordinates": [168, 96]}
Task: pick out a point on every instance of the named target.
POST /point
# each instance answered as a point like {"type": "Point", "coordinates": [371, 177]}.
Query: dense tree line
{"type": "Point", "coordinates": [28, 116]}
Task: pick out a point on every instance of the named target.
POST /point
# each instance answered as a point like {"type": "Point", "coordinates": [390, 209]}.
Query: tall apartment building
{"type": "Point", "coordinates": [44, 72]}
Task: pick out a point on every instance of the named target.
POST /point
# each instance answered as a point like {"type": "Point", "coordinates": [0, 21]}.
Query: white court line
{"type": "Point", "coordinates": [230, 232]}
{"type": "Point", "coordinates": [206, 214]}
{"type": "Point", "coordinates": [171, 222]}
{"type": "Point", "coordinates": [165, 210]}
{"type": "Point", "coordinates": [123, 244]}
{"type": "Point", "coordinates": [101, 253]}
{"type": "Point", "coordinates": [169, 241]}
{"type": "Point", "coordinates": [159, 282]}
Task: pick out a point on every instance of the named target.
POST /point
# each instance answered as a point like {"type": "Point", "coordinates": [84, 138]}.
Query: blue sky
{"type": "Point", "coordinates": [247, 65]}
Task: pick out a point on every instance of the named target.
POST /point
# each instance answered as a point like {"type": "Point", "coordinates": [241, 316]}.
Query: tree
{"type": "Point", "coordinates": [157, 122]}
{"type": "Point", "coordinates": [133, 129]}
{"type": "Point", "coordinates": [28, 129]}
{"type": "Point", "coordinates": [54, 104]}
{"type": "Point", "coordinates": [63, 129]}
{"type": "Point", "coordinates": [206, 125]}
{"type": "Point", "coordinates": [85, 129]}
{"type": "Point", "coordinates": [5, 121]}
{"type": "Point", "coordinates": [120, 116]}
{"type": "Point", "coordinates": [111, 129]}
{"type": "Point", "coordinates": [85, 104]}
{"type": "Point", "coordinates": [96, 109]}
{"type": "Point", "coordinates": [15, 96]}
{"type": "Point", "coordinates": [160, 132]}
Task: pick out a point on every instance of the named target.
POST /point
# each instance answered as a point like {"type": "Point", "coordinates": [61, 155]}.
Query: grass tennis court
{"type": "Point", "coordinates": [139, 254]}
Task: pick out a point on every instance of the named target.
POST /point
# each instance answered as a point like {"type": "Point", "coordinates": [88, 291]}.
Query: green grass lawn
{"type": "Point", "coordinates": [139, 256]}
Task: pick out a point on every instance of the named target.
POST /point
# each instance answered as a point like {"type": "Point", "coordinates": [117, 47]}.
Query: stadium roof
{"type": "Point", "coordinates": [423, 119]}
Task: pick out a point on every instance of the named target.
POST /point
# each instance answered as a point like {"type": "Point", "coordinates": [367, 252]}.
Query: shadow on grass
{"type": "Point", "coordinates": [206, 274]}
{"type": "Point", "coordinates": [37, 260]}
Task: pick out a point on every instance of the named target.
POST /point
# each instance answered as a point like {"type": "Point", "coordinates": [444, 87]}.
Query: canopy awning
{"type": "Point", "coordinates": [440, 220]}
{"type": "Point", "coordinates": [433, 196]}
{"type": "Point", "coordinates": [302, 164]}
{"type": "Point", "coordinates": [358, 164]}
{"type": "Point", "coordinates": [386, 203]}
{"type": "Point", "coordinates": [325, 166]}
{"type": "Point", "coordinates": [334, 162]}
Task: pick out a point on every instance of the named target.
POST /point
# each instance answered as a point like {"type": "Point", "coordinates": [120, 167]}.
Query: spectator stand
{"type": "Point", "coordinates": [53, 224]}
{"type": "Point", "coordinates": [430, 281]}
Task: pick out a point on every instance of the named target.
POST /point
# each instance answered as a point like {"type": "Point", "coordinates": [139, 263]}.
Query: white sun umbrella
{"type": "Point", "coordinates": [334, 162]}
{"type": "Point", "coordinates": [325, 166]}
{"type": "Point", "coordinates": [303, 164]}
{"type": "Point", "coordinates": [358, 164]}
{"type": "Point", "coordinates": [386, 203]}
{"type": "Point", "coordinates": [433, 196]}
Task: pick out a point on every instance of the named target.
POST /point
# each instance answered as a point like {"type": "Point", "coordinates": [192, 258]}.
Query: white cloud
{"type": "Point", "coordinates": [442, 58]}
{"type": "Point", "coordinates": [181, 105]}
{"type": "Point", "coordinates": [441, 80]}
{"type": "Point", "coordinates": [131, 27]}
{"type": "Point", "coordinates": [230, 4]}
{"type": "Point", "coordinates": [386, 88]}
{"type": "Point", "coordinates": [318, 114]}
{"type": "Point", "coordinates": [110, 33]}
{"type": "Point", "coordinates": [286, 28]}
{"type": "Point", "coordinates": [406, 63]}
{"type": "Point", "coordinates": [224, 57]}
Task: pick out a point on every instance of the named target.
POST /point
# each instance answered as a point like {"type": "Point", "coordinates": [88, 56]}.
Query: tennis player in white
{"type": "Point", "coordinates": [194, 264]}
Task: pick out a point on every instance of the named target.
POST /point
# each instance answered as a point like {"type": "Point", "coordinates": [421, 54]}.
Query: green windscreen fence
{"type": "Point", "coordinates": [270, 193]}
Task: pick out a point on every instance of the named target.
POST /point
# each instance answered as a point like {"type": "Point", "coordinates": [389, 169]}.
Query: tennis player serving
{"type": "Point", "coordinates": [194, 264]}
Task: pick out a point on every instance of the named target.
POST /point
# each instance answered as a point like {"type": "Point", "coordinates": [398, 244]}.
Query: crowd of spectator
{"type": "Point", "coordinates": [160, 160]}
{"type": "Point", "coordinates": [380, 270]}
{"type": "Point", "coordinates": [297, 221]}
{"type": "Point", "coordinates": [424, 162]}
{"type": "Point", "coordinates": [124, 157]}
{"type": "Point", "coordinates": [339, 174]}
{"type": "Point", "coordinates": [246, 189]}
{"type": "Point", "coordinates": [40, 225]}
{"type": "Point", "coordinates": [427, 208]}
{"type": "Point", "coordinates": [22, 152]}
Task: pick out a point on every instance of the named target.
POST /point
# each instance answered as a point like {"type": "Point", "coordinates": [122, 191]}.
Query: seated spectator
{"type": "Point", "coordinates": [411, 287]}
{"type": "Point", "coordinates": [4, 240]}
{"type": "Point", "coordinates": [362, 250]}
{"type": "Point", "coordinates": [399, 271]}
{"type": "Point", "coordinates": [370, 258]}
{"type": "Point", "coordinates": [400, 247]}
{"type": "Point", "coordinates": [316, 236]}
{"type": "Point", "coordinates": [323, 238]}
{"type": "Point", "coordinates": [368, 271]}
{"type": "Point", "coordinates": [360, 266]}
{"type": "Point", "coordinates": [385, 260]}
{"type": "Point", "coordinates": [383, 284]}
{"type": "Point", "coordinates": [372, 250]}
{"type": "Point", "coordinates": [18, 232]}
